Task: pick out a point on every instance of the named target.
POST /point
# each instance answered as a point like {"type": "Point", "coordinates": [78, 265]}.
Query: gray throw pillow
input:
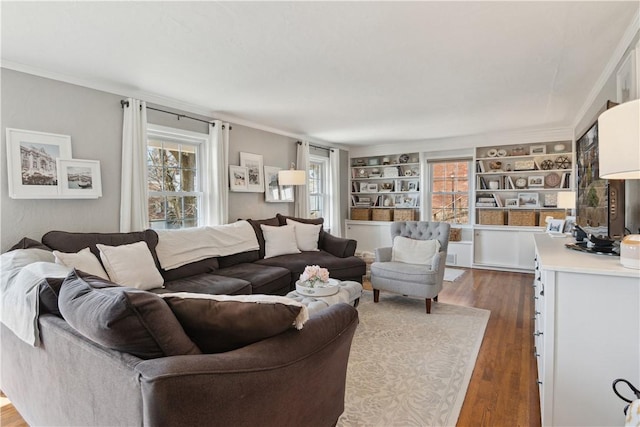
{"type": "Point", "coordinates": [124, 319]}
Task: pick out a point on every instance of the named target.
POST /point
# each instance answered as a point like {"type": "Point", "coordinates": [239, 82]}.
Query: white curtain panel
{"type": "Point", "coordinates": [302, 191]}
{"type": "Point", "coordinates": [134, 201]}
{"type": "Point", "coordinates": [216, 185]}
{"type": "Point", "coordinates": [334, 192]}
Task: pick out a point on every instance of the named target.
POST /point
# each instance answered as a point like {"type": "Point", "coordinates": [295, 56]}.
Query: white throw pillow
{"type": "Point", "coordinates": [131, 265]}
{"type": "Point", "coordinates": [279, 240]}
{"type": "Point", "coordinates": [307, 235]}
{"type": "Point", "coordinates": [413, 251]}
{"type": "Point", "coordinates": [83, 260]}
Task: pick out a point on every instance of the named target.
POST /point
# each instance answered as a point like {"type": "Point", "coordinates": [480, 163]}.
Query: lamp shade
{"type": "Point", "coordinates": [619, 141]}
{"type": "Point", "coordinates": [292, 177]}
{"type": "Point", "coordinates": [566, 200]}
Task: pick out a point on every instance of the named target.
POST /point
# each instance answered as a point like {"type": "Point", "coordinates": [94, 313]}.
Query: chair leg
{"type": "Point", "coordinates": [376, 295]}
{"type": "Point", "coordinates": [428, 302]}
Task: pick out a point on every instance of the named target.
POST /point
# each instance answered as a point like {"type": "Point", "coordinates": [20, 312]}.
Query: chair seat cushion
{"type": "Point", "coordinates": [401, 271]}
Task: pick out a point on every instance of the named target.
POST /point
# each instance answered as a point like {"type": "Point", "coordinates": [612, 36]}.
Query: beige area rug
{"type": "Point", "coordinates": [409, 368]}
{"type": "Point", "coordinates": [453, 274]}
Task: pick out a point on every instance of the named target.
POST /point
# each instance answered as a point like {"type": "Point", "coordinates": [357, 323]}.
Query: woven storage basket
{"type": "Point", "coordinates": [455, 234]}
{"type": "Point", "coordinates": [363, 214]}
{"type": "Point", "coordinates": [553, 214]}
{"type": "Point", "coordinates": [522, 218]}
{"type": "Point", "coordinates": [404, 215]}
{"type": "Point", "coordinates": [490, 217]}
{"type": "Point", "coordinates": [382, 215]}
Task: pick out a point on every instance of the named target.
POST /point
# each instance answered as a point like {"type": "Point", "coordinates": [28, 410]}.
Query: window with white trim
{"type": "Point", "coordinates": [449, 190]}
{"type": "Point", "coordinates": [319, 188]}
{"type": "Point", "coordinates": [174, 176]}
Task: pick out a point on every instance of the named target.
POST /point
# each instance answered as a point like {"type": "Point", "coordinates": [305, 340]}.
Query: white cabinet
{"type": "Point", "coordinates": [504, 248]}
{"type": "Point", "coordinates": [369, 234]}
{"type": "Point", "coordinates": [587, 333]}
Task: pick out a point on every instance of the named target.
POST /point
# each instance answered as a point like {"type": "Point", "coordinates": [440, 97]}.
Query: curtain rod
{"type": "Point", "coordinates": [317, 146]}
{"type": "Point", "coordinates": [124, 103]}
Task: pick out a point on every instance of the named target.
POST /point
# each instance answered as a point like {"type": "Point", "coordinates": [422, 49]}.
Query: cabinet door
{"type": "Point", "coordinates": [504, 248]}
{"type": "Point", "coordinates": [368, 235]}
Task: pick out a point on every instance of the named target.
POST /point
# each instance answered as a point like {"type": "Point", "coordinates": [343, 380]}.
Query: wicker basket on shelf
{"type": "Point", "coordinates": [362, 214]}
{"type": "Point", "coordinates": [382, 215]}
{"type": "Point", "coordinates": [490, 217]}
{"type": "Point", "coordinates": [455, 234]}
{"type": "Point", "coordinates": [522, 218]}
{"type": "Point", "coordinates": [404, 215]}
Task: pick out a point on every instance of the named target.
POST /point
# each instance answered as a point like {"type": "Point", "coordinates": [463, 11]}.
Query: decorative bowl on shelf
{"type": "Point", "coordinates": [318, 289]}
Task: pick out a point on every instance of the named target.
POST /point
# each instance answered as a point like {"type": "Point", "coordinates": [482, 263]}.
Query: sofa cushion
{"type": "Point", "coordinates": [414, 251]}
{"type": "Point", "coordinates": [83, 260]}
{"type": "Point", "coordinates": [264, 279]}
{"type": "Point", "coordinates": [219, 323]}
{"type": "Point", "coordinates": [279, 240]}
{"type": "Point", "coordinates": [207, 284]}
{"type": "Point", "coordinates": [282, 220]}
{"type": "Point", "coordinates": [123, 319]}
{"type": "Point", "coordinates": [307, 235]}
{"type": "Point", "coordinates": [256, 223]}
{"type": "Point", "coordinates": [131, 265]}
{"type": "Point", "coordinates": [339, 268]}
{"type": "Point", "coordinates": [208, 265]}
{"type": "Point", "coordinates": [65, 241]}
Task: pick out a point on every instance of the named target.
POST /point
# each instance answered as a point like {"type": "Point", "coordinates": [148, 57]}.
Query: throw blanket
{"type": "Point", "coordinates": [179, 247]}
{"type": "Point", "coordinates": [22, 272]}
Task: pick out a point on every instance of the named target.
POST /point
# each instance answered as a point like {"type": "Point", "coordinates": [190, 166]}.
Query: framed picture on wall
{"type": "Point", "coordinates": [254, 165]}
{"type": "Point", "coordinates": [31, 163]}
{"type": "Point", "coordinates": [79, 179]}
{"type": "Point", "coordinates": [274, 192]}
{"type": "Point", "coordinates": [626, 82]}
{"type": "Point", "coordinates": [238, 178]}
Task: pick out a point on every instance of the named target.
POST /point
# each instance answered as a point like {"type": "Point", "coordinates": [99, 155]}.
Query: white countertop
{"type": "Point", "coordinates": [553, 255]}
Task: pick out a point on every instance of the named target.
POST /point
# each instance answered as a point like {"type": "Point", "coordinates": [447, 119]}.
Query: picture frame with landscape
{"type": "Point", "coordinates": [555, 226]}
{"type": "Point", "coordinates": [79, 179]}
{"type": "Point", "coordinates": [32, 163]}
{"type": "Point", "coordinates": [528, 200]}
{"type": "Point", "coordinates": [274, 192]}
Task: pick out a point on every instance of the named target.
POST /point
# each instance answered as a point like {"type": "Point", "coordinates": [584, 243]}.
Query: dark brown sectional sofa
{"type": "Point", "coordinates": [244, 273]}
{"type": "Point", "coordinates": [70, 379]}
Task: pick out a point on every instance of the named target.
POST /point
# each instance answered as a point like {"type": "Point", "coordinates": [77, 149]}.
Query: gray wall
{"type": "Point", "coordinates": [93, 119]}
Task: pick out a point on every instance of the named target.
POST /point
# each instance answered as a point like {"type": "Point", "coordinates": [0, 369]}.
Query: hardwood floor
{"type": "Point", "coordinates": [503, 389]}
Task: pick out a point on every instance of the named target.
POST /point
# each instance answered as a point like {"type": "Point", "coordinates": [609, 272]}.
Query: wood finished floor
{"type": "Point", "coordinates": [503, 389]}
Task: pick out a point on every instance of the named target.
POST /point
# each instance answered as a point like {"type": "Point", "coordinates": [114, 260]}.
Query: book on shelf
{"type": "Point", "coordinates": [480, 166]}
{"type": "Point", "coordinates": [565, 181]}
{"type": "Point", "coordinates": [486, 204]}
{"type": "Point", "coordinates": [498, 200]}
{"type": "Point", "coordinates": [509, 185]}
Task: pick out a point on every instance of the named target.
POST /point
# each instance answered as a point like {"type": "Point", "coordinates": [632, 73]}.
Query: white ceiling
{"type": "Point", "coordinates": [344, 72]}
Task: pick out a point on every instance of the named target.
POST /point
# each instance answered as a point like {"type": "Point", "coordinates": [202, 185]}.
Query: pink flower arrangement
{"type": "Point", "coordinates": [314, 275]}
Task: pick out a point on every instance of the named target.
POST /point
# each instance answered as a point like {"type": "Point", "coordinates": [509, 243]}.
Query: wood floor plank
{"type": "Point", "coordinates": [503, 389]}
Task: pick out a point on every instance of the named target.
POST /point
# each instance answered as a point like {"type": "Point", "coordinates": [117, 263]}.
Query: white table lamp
{"type": "Point", "coordinates": [292, 176]}
{"type": "Point", "coordinates": [619, 154]}
{"type": "Point", "coordinates": [567, 200]}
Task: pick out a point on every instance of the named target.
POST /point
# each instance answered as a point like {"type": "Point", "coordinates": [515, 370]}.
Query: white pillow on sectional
{"type": "Point", "coordinates": [279, 240]}
{"type": "Point", "coordinates": [307, 235]}
{"type": "Point", "coordinates": [83, 260]}
{"type": "Point", "coordinates": [412, 251]}
{"type": "Point", "coordinates": [131, 265]}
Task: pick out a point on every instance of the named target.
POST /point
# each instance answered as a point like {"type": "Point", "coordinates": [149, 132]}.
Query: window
{"type": "Point", "coordinates": [449, 192]}
{"type": "Point", "coordinates": [319, 187]}
{"type": "Point", "coordinates": [173, 176]}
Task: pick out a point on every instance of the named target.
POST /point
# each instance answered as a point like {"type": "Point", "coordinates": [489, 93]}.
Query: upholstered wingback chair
{"type": "Point", "coordinates": [417, 280]}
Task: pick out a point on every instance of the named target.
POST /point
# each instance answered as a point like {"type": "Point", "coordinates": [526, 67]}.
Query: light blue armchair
{"type": "Point", "coordinates": [417, 280]}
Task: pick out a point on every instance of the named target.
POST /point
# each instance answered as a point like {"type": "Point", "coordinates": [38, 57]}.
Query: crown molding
{"type": "Point", "coordinates": [632, 30]}
{"type": "Point", "coordinates": [152, 98]}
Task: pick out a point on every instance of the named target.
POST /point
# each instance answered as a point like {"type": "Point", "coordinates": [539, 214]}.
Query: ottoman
{"type": "Point", "coordinates": [349, 293]}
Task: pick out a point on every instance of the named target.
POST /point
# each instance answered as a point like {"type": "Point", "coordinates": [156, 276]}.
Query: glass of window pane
{"type": "Point", "coordinates": [174, 211]}
{"type": "Point", "coordinates": [154, 153]}
{"type": "Point", "coordinates": [190, 207]}
{"type": "Point", "coordinates": [155, 178]}
{"type": "Point", "coordinates": [188, 157]}
{"type": "Point", "coordinates": [188, 181]}
{"type": "Point", "coordinates": [156, 208]}
{"type": "Point", "coordinates": [171, 154]}
{"type": "Point", "coordinates": [172, 179]}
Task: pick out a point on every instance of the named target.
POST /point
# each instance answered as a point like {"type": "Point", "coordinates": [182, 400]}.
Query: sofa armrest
{"type": "Point", "coordinates": [383, 254]}
{"type": "Point", "coordinates": [251, 385]}
{"type": "Point", "coordinates": [337, 246]}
